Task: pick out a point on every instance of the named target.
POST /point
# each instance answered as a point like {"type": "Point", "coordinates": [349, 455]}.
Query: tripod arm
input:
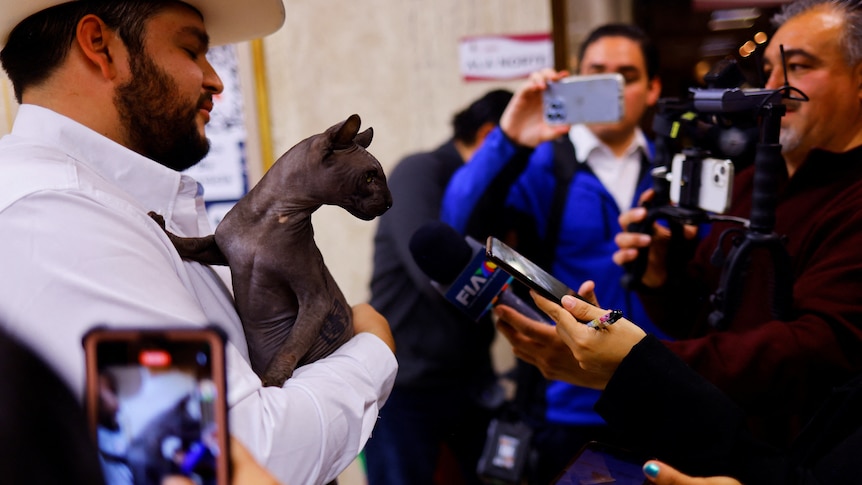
{"type": "Point", "coordinates": [727, 296]}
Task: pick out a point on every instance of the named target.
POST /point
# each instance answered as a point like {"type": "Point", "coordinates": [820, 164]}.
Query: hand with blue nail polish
{"type": "Point", "coordinates": [663, 474]}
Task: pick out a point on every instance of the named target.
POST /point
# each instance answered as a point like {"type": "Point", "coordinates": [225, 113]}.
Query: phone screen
{"type": "Point", "coordinates": [156, 403]}
{"type": "Point", "coordinates": [525, 271]}
{"type": "Point", "coordinates": [598, 463]}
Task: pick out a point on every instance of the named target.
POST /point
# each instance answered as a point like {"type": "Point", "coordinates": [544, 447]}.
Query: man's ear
{"type": "Point", "coordinates": [484, 131]}
{"type": "Point", "coordinates": [96, 42]}
{"type": "Point", "coordinates": [654, 92]}
{"type": "Point", "coordinates": [858, 72]}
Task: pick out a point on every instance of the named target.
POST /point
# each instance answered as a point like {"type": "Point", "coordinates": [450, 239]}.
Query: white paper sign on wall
{"type": "Point", "coordinates": [504, 57]}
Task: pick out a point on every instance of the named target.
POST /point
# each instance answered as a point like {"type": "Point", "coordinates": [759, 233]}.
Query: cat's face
{"type": "Point", "coordinates": [364, 192]}
{"type": "Point", "coordinates": [355, 177]}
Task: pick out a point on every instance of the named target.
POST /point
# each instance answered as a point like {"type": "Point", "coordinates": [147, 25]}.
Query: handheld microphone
{"type": "Point", "coordinates": [459, 271]}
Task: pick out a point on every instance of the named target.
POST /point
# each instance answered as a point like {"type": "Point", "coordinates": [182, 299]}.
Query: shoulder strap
{"type": "Point", "coordinates": [565, 166]}
{"type": "Point", "coordinates": [529, 398]}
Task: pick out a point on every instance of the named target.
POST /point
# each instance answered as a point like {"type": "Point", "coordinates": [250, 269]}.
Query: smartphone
{"type": "Point", "coordinates": [598, 463]}
{"type": "Point", "coordinates": [525, 271]}
{"type": "Point", "coordinates": [156, 403]}
{"type": "Point", "coordinates": [594, 98]}
{"type": "Point", "coordinates": [715, 184]}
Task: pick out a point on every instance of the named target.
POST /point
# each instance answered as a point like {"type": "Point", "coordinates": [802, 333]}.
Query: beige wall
{"type": "Point", "coordinates": [395, 63]}
{"type": "Point", "coordinates": [8, 105]}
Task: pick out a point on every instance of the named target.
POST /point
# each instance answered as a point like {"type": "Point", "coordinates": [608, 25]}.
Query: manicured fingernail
{"type": "Point", "coordinates": [651, 470]}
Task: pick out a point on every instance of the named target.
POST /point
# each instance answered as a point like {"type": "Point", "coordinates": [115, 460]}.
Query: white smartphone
{"type": "Point", "coordinates": [156, 404]}
{"type": "Point", "coordinates": [716, 183]}
{"type": "Point", "coordinates": [594, 98]}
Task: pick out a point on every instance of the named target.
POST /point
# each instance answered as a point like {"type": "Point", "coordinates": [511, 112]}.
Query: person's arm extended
{"type": "Point", "coordinates": [657, 403]}
{"type": "Point", "coordinates": [477, 191]}
{"type": "Point", "coordinates": [683, 419]}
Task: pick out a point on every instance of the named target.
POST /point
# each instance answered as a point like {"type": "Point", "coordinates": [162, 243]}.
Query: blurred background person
{"type": "Point", "coordinates": [554, 193]}
{"type": "Point", "coordinates": [446, 388]}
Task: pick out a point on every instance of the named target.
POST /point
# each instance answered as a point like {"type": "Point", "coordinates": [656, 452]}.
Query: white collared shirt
{"type": "Point", "coordinates": [78, 249]}
{"type": "Point", "coordinates": [619, 175]}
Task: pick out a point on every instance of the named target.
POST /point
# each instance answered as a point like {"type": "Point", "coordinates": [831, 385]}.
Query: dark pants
{"type": "Point", "coordinates": [404, 447]}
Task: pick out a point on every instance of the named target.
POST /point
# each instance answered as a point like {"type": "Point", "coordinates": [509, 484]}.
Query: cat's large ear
{"type": "Point", "coordinates": [342, 135]}
{"type": "Point", "coordinates": [364, 139]}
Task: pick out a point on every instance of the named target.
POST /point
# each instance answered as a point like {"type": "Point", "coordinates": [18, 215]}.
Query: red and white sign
{"type": "Point", "coordinates": [504, 57]}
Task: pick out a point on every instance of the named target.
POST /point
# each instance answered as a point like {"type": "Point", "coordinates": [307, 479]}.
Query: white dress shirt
{"type": "Point", "coordinates": [619, 175]}
{"type": "Point", "coordinates": [78, 249]}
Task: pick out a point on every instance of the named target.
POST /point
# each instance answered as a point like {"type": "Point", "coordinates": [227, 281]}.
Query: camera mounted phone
{"type": "Point", "coordinates": [700, 116]}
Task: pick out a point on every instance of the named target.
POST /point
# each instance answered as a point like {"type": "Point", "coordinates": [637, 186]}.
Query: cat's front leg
{"type": "Point", "coordinates": [204, 250]}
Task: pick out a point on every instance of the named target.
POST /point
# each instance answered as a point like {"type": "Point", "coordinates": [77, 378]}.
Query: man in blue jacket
{"type": "Point", "coordinates": [555, 193]}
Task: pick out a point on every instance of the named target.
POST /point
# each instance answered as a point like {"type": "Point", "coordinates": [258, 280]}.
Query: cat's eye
{"type": "Point", "coordinates": [370, 176]}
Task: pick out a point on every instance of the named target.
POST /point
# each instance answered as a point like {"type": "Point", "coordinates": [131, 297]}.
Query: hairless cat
{"type": "Point", "coordinates": [291, 309]}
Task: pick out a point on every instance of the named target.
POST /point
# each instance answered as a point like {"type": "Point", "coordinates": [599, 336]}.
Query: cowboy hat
{"type": "Point", "coordinates": [227, 21]}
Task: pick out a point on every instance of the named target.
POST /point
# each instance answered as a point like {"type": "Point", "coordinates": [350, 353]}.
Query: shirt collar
{"type": "Point", "coordinates": [151, 184]}
{"type": "Point", "coordinates": [585, 141]}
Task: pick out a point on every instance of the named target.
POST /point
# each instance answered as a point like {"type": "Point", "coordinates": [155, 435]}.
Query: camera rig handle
{"type": "Point", "coordinates": [758, 230]}
{"type": "Point", "coordinates": [666, 125]}
{"type": "Point", "coordinates": [768, 163]}
{"type": "Point", "coordinates": [676, 218]}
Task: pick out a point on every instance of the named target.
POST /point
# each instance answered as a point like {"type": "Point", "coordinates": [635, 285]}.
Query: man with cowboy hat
{"type": "Point", "coordinates": [115, 96]}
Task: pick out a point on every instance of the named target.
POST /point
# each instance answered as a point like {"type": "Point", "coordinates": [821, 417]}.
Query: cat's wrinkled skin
{"type": "Point", "coordinates": [291, 309]}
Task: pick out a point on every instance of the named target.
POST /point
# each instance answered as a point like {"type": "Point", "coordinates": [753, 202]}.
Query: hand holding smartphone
{"type": "Point", "coordinates": [156, 403]}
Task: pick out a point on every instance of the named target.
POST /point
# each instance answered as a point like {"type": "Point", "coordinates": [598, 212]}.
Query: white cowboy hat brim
{"type": "Point", "coordinates": [227, 21]}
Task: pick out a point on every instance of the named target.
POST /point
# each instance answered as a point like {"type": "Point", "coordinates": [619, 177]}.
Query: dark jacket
{"type": "Point", "coordinates": [684, 420]}
{"type": "Point", "coordinates": [780, 371]}
{"type": "Point", "coordinates": [437, 345]}
{"type": "Point", "coordinates": [505, 187]}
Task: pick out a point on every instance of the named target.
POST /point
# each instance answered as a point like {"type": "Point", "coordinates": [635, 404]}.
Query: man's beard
{"type": "Point", "coordinates": [157, 124]}
{"type": "Point", "coordinates": [789, 139]}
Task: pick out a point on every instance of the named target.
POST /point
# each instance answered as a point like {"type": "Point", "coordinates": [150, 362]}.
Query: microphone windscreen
{"type": "Point", "coordinates": [440, 251]}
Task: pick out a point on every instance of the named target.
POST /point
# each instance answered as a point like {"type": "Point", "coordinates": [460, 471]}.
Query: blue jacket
{"type": "Point", "coordinates": [502, 174]}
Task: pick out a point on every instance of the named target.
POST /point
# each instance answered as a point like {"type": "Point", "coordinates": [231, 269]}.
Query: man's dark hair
{"type": "Point", "coordinates": [487, 109]}
{"type": "Point", "coordinates": [851, 40]}
{"type": "Point", "coordinates": [40, 43]}
{"type": "Point", "coordinates": [648, 48]}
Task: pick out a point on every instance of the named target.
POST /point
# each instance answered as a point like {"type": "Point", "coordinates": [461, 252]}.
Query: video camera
{"type": "Point", "coordinates": [702, 140]}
